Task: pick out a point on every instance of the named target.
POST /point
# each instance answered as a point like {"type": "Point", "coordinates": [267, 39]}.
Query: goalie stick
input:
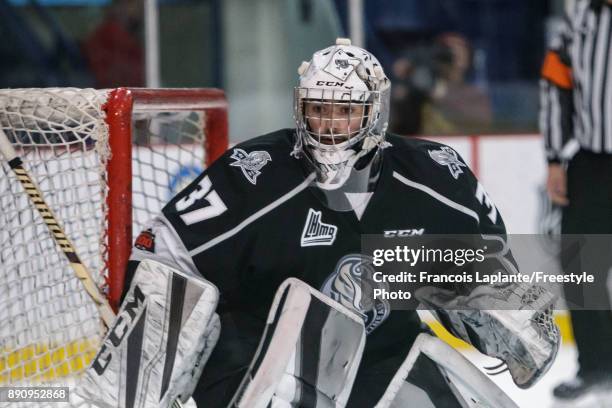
{"type": "Point", "coordinates": [62, 241]}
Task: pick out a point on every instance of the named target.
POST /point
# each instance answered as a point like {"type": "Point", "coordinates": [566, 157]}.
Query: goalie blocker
{"type": "Point", "coordinates": [159, 343]}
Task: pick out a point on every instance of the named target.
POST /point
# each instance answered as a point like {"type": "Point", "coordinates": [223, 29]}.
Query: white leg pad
{"type": "Point", "coordinates": [159, 342]}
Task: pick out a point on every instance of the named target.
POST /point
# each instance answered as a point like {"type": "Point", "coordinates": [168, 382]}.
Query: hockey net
{"type": "Point", "coordinates": [106, 161]}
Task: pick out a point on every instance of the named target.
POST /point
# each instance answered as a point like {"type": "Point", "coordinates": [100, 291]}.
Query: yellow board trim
{"type": "Point", "coordinates": [38, 363]}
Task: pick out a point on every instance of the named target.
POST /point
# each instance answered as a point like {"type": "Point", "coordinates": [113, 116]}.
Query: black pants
{"type": "Point", "coordinates": [589, 179]}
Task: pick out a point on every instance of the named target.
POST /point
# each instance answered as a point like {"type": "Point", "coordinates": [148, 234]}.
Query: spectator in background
{"type": "Point", "coordinates": [455, 105]}
{"type": "Point", "coordinates": [576, 121]}
{"type": "Point", "coordinates": [433, 95]}
{"type": "Point", "coordinates": [114, 49]}
{"type": "Point", "coordinates": [412, 82]}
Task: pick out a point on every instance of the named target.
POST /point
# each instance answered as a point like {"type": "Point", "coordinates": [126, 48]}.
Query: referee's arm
{"type": "Point", "coordinates": [556, 116]}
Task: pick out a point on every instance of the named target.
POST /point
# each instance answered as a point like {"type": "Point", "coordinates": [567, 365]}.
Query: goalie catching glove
{"type": "Point", "coordinates": [159, 342]}
{"type": "Point", "coordinates": [513, 323]}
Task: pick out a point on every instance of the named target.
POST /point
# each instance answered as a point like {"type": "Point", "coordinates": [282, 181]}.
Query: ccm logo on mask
{"type": "Point", "coordinates": [329, 83]}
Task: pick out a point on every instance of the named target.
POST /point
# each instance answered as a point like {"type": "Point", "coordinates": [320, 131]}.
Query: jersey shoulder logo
{"type": "Point", "coordinates": [352, 285]}
{"type": "Point", "coordinates": [316, 232]}
{"type": "Point", "coordinates": [250, 163]}
{"type": "Point", "coordinates": [448, 157]}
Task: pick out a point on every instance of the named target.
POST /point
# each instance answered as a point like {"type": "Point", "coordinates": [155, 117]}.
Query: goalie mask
{"type": "Point", "coordinates": [341, 109]}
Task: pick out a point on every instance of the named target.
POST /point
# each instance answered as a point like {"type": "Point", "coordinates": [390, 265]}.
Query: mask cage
{"type": "Point", "coordinates": [329, 119]}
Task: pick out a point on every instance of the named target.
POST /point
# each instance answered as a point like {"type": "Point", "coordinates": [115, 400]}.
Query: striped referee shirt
{"type": "Point", "coordinates": [576, 84]}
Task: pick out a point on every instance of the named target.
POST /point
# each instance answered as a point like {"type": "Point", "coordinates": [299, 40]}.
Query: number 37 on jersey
{"type": "Point", "coordinates": [203, 191]}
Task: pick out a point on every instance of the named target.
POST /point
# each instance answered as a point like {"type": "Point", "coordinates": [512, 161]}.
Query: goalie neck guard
{"type": "Point", "coordinates": [341, 110]}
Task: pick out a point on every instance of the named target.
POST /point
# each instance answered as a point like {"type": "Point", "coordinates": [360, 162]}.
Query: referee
{"type": "Point", "coordinates": [576, 121]}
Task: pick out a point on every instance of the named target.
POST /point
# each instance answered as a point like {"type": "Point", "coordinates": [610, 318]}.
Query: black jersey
{"type": "Point", "coordinates": [251, 220]}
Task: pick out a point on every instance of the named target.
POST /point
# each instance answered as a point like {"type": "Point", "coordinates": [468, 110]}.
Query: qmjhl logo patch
{"type": "Point", "coordinates": [316, 232]}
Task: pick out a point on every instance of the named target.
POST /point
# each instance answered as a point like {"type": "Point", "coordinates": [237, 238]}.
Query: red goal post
{"type": "Point", "coordinates": [121, 105]}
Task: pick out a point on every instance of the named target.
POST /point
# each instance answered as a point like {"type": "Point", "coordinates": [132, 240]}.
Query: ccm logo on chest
{"type": "Point", "coordinates": [403, 233]}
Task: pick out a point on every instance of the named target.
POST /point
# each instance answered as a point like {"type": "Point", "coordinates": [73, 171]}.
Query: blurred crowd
{"type": "Point", "coordinates": [433, 92]}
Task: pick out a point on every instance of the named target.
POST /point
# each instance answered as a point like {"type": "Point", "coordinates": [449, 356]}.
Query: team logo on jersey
{"type": "Point", "coordinates": [316, 232]}
{"type": "Point", "coordinates": [352, 285]}
{"type": "Point", "coordinates": [448, 157]}
{"type": "Point", "coordinates": [250, 163]}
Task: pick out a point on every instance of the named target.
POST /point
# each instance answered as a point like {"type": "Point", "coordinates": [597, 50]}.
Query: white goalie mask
{"type": "Point", "coordinates": [341, 110]}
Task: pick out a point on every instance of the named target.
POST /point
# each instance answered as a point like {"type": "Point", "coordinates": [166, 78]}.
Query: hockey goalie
{"type": "Point", "coordinates": [294, 204]}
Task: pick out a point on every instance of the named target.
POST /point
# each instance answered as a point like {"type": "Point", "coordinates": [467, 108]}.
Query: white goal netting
{"type": "Point", "coordinates": [49, 328]}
